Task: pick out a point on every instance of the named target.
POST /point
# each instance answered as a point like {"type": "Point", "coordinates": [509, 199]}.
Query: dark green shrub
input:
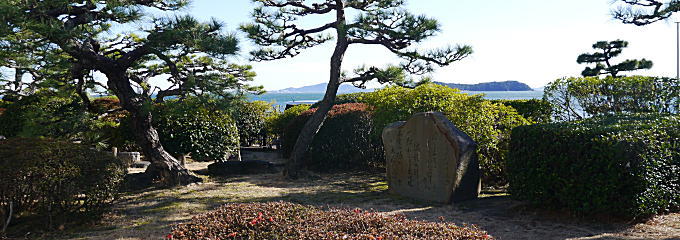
{"type": "Point", "coordinates": [45, 114]}
{"type": "Point", "coordinates": [488, 124]}
{"type": "Point", "coordinates": [250, 119]}
{"type": "Point", "coordinates": [57, 182]}
{"type": "Point", "coordinates": [618, 165]}
{"type": "Point", "coordinates": [287, 221]}
{"type": "Point", "coordinates": [188, 127]}
{"type": "Point", "coordinates": [343, 142]}
{"type": "Point", "coordinates": [583, 97]}
{"type": "Point", "coordinates": [535, 110]}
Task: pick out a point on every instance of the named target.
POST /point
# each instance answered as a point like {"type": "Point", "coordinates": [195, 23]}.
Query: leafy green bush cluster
{"type": "Point", "coordinates": [45, 114]}
{"type": "Point", "coordinates": [579, 98]}
{"type": "Point", "coordinates": [626, 165]}
{"type": "Point", "coordinates": [57, 182]}
{"type": "Point", "coordinates": [189, 127]}
{"type": "Point", "coordinates": [344, 142]}
{"type": "Point", "coordinates": [281, 220]}
{"type": "Point", "coordinates": [489, 124]}
{"type": "Point", "coordinates": [251, 118]}
{"type": "Point", "coordinates": [534, 110]}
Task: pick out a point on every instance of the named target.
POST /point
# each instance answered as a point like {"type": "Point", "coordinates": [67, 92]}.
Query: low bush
{"type": "Point", "coordinates": [534, 110]}
{"type": "Point", "coordinates": [188, 127]}
{"type": "Point", "coordinates": [627, 165]}
{"type": "Point", "coordinates": [583, 97]}
{"type": "Point", "coordinates": [277, 123]}
{"type": "Point", "coordinates": [57, 182]}
{"type": "Point", "coordinates": [487, 123]}
{"type": "Point", "coordinates": [280, 220]}
{"type": "Point", "coordinates": [344, 141]}
{"type": "Point", "coordinates": [101, 105]}
{"type": "Point", "coordinates": [250, 119]}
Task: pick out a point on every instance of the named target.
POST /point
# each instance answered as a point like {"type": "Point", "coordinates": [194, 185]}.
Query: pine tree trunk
{"type": "Point", "coordinates": [304, 140]}
{"type": "Point", "coordinates": [164, 169]}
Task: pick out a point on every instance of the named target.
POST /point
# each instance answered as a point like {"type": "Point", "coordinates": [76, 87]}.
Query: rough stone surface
{"type": "Point", "coordinates": [428, 158]}
{"type": "Point", "coordinates": [241, 168]}
{"type": "Point", "coordinates": [129, 157]}
{"type": "Point", "coordinates": [140, 164]}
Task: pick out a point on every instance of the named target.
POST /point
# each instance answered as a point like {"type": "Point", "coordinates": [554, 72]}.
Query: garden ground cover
{"type": "Point", "coordinates": [150, 214]}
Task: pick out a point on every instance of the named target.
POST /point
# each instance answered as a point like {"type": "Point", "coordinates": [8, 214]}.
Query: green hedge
{"type": "Point", "coordinates": [535, 110]}
{"type": "Point", "coordinates": [487, 123]}
{"type": "Point", "coordinates": [57, 182]}
{"type": "Point", "coordinates": [627, 165]}
{"type": "Point", "coordinates": [578, 98]}
{"type": "Point", "coordinates": [188, 127]}
{"type": "Point", "coordinates": [343, 142]}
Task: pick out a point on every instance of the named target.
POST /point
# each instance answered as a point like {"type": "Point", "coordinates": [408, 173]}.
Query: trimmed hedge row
{"type": "Point", "coordinates": [344, 142]}
{"type": "Point", "coordinates": [57, 182]}
{"type": "Point", "coordinates": [281, 220]}
{"type": "Point", "coordinates": [626, 165]}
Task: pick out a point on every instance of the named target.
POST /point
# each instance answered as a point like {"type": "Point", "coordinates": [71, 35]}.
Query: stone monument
{"type": "Point", "coordinates": [428, 158]}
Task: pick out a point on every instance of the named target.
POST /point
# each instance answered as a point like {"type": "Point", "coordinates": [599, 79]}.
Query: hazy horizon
{"type": "Point", "coordinates": [531, 41]}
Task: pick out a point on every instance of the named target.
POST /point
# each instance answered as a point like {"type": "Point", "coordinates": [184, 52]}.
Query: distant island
{"type": "Point", "coordinates": [490, 86]}
{"type": "Point", "coordinates": [348, 88]}
{"type": "Point", "coordinates": [321, 88]}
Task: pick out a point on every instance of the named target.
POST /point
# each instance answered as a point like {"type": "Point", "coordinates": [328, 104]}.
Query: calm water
{"type": "Point", "coordinates": [280, 99]}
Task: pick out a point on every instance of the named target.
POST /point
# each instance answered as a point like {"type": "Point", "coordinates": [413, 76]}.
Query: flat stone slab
{"type": "Point", "coordinates": [428, 158]}
{"type": "Point", "coordinates": [140, 164]}
{"type": "Point", "coordinates": [241, 168]}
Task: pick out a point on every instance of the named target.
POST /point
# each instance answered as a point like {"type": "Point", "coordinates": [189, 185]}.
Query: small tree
{"type": "Point", "coordinates": [379, 22]}
{"type": "Point", "coordinates": [643, 12]}
{"type": "Point", "coordinates": [603, 60]}
{"type": "Point", "coordinates": [191, 53]}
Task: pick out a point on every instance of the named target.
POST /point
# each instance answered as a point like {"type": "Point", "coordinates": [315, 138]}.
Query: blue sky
{"type": "Point", "coordinates": [533, 41]}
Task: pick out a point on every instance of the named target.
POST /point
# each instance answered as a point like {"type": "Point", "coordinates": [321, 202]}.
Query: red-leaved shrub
{"type": "Point", "coordinates": [344, 141]}
{"type": "Point", "coordinates": [288, 221]}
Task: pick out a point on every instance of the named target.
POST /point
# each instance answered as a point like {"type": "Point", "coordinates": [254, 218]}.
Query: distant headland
{"type": "Point", "coordinates": [348, 88]}
{"type": "Point", "coordinates": [490, 86]}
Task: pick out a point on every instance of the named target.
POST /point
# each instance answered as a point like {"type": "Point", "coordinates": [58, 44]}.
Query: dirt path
{"type": "Point", "coordinates": [150, 214]}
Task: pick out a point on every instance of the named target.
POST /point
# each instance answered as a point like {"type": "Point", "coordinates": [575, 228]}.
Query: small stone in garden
{"type": "Point", "coordinates": [428, 158]}
{"type": "Point", "coordinates": [130, 158]}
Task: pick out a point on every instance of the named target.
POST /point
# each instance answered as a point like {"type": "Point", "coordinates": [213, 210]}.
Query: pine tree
{"type": "Point", "coordinates": [603, 60]}
{"type": "Point", "coordinates": [384, 23]}
{"type": "Point", "coordinates": [643, 12]}
{"type": "Point", "coordinates": [192, 53]}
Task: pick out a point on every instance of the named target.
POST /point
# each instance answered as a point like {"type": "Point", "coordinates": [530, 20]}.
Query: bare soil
{"type": "Point", "coordinates": [150, 214]}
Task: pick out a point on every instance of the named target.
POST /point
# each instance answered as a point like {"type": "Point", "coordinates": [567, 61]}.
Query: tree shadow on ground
{"type": "Point", "coordinates": [501, 216]}
{"type": "Point", "coordinates": [150, 213]}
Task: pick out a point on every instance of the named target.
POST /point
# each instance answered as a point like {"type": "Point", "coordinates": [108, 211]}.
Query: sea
{"type": "Point", "coordinates": [281, 99]}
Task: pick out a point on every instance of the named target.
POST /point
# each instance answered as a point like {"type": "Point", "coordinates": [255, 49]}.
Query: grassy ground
{"type": "Point", "coordinates": [151, 213]}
